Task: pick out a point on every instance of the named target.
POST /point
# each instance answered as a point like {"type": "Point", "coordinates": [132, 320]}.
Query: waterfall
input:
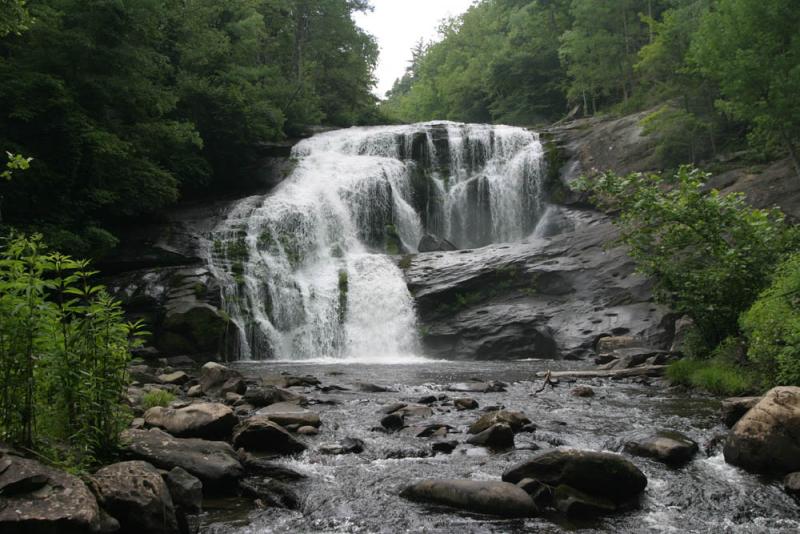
{"type": "Point", "coordinates": [311, 270]}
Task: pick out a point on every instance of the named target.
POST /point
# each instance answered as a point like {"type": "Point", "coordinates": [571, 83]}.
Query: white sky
{"type": "Point", "coordinates": [398, 25]}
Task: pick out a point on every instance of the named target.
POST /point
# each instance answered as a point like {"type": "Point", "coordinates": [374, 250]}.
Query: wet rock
{"type": "Point", "coordinates": [734, 408]}
{"type": "Point", "coordinates": [195, 391]}
{"type": "Point", "coordinates": [186, 489]}
{"type": "Point", "coordinates": [516, 420]}
{"type": "Point", "coordinates": [767, 438]}
{"type": "Point", "coordinates": [289, 413]}
{"type": "Point", "coordinates": [609, 344]}
{"type": "Point", "coordinates": [143, 374]}
{"type": "Point", "coordinates": [444, 447]}
{"type": "Point", "coordinates": [393, 422]}
{"type": "Point", "coordinates": [393, 407]}
{"type": "Point", "coordinates": [634, 357]}
{"type": "Point", "coordinates": [465, 403]}
{"type": "Point", "coordinates": [308, 431]}
{"type": "Point", "coordinates": [499, 436]}
{"type": "Point", "coordinates": [288, 381]}
{"type": "Point", "coordinates": [214, 376]}
{"type": "Point", "coordinates": [604, 359]}
{"type": "Point", "coordinates": [271, 492]}
{"type": "Point", "coordinates": [62, 503]}
{"type": "Point", "coordinates": [596, 473]}
{"type": "Point", "coordinates": [671, 448]}
{"type": "Point", "coordinates": [542, 494]}
{"type": "Point", "coordinates": [203, 420]}
{"type": "Point", "coordinates": [415, 410]}
{"type": "Point", "coordinates": [234, 398]}
{"type": "Point", "coordinates": [480, 496]}
{"type": "Point", "coordinates": [178, 378]}
{"type": "Point", "coordinates": [235, 385]}
{"type": "Point", "coordinates": [260, 433]}
{"type": "Point", "coordinates": [135, 495]}
{"type": "Point", "coordinates": [261, 467]}
{"type": "Point", "coordinates": [370, 388]}
{"type": "Point", "coordinates": [791, 483]}
{"type": "Point", "coordinates": [582, 391]}
{"type": "Point", "coordinates": [192, 327]}
{"type": "Point", "coordinates": [345, 446]}
{"type": "Point", "coordinates": [432, 243]}
{"type": "Point", "coordinates": [214, 462]}
{"type": "Point", "coordinates": [431, 430]}
{"type": "Point", "coordinates": [261, 396]}
{"type": "Point", "coordinates": [427, 399]}
{"type": "Point", "coordinates": [577, 504]}
{"type": "Point", "coordinates": [477, 387]}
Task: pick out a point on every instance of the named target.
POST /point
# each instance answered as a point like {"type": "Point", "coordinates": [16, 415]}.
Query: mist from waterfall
{"type": "Point", "coordinates": [312, 269]}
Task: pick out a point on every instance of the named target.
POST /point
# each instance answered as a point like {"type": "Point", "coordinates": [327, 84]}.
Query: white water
{"type": "Point", "coordinates": [305, 270]}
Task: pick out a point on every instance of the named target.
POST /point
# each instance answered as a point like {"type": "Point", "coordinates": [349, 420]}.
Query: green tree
{"type": "Point", "coordinates": [752, 49]}
{"type": "Point", "coordinates": [14, 17]}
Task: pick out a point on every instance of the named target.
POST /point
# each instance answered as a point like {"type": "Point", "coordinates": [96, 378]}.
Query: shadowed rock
{"type": "Point", "coordinates": [481, 496]}
{"type": "Point", "coordinates": [203, 420]}
{"type": "Point", "coordinates": [671, 448]}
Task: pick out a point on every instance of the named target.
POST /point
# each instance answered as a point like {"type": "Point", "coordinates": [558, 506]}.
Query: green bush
{"type": "Point", "coordinates": [157, 397]}
{"type": "Point", "coordinates": [772, 327]}
{"type": "Point", "coordinates": [64, 351]}
{"type": "Point", "coordinates": [715, 376]}
{"type": "Point", "coordinates": [709, 254]}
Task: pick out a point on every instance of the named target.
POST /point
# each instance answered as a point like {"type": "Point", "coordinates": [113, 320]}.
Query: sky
{"type": "Point", "coordinates": [398, 25]}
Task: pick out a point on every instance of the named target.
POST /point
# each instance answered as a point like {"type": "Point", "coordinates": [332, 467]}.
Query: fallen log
{"type": "Point", "coordinates": [649, 370]}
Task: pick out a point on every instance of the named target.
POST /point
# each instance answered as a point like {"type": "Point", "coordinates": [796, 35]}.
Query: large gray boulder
{"type": "Point", "coordinates": [135, 495]}
{"type": "Point", "coordinates": [185, 488]}
{"type": "Point", "coordinates": [289, 413]}
{"type": "Point", "coordinates": [767, 438]}
{"type": "Point", "coordinates": [261, 434]}
{"type": "Point", "coordinates": [671, 448]}
{"type": "Point", "coordinates": [215, 376]}
{"type": "Point", "coordinates": [432, 243]}
{"type": "Point", "coordinates": [734, 408]}
{"type": "Point", "coordinates": [600, 474]}
{"type": "Point", "coordinates": [36, 499]}
{"type": "Point", "coordinates": [515, 420]}
{"type": "Point", "coordinates": [481, 496]}
{"type": "Point", "coordinates": [260, 396]}
{"type": "Point", "coordinates": [214, 462]}
{"type": "Point", "coordinates": [499, 436]}
{"type": "Point", "coordinates": [205, 420]}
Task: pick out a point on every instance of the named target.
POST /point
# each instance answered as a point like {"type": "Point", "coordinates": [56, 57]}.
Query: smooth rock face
{"type": "Point", "coordinates": [671, 448]}
{"type": "Point", "coordinates": [288, 413]}
{"type": "Point", "coordinates": [499, 436]}
{"type": "Point", "coordinates": [38, 499]}
{"type": "Point", "coordinates": [767, 438]}
{"type": "Point", "coordinates": [481, 496]}
{"type": "Point", "coordinates": [260, 433]}
{"type": "Point", "coordinates": [597, 473]}
{"type": "Point", "coordinates": [734, 409]}
{"type": "Point", "coordinates": [548, 298]}
{"type": "Point", "coordinates": [135, 495]}
{"type": "Point", "coordinates": [186, 489]}
{"type": "Point", "coordinates": [516, 420]}
{"type": "Point", "coordinates": [203, 420]}
{"type": "Point", "coordinates": [261, 396]}
{"type": "Point", "coordinates": [214, 462]}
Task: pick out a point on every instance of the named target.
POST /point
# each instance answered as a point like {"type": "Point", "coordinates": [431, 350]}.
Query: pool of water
{"type": "Point", "coordinates": [360, 492]}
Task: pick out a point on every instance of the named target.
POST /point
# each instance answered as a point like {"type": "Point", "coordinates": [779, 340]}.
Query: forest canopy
{"type": "Point", "coordinates": [126, 106]}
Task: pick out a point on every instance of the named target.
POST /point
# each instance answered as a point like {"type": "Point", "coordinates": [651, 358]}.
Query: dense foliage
{"type": "Point", "coordinates": [125, 106]}
{"type": "Point", "coordinates": [712, 69]}
{"type": "Point", "coordinates": [772, 327]}
{"type": "Point", "coordinates": [710, 255]}
{"type": "Point", "coordinates": [64, 350]}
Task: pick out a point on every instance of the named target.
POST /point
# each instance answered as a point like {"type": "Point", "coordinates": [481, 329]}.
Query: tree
{"type": "Point", "coordinates": [752, 49]}
{"type": "Point", "coordinates": [14, 17]}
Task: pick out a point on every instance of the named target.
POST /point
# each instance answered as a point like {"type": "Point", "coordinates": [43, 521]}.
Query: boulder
{"type": "Point", "coordinates": [767, 438]}
{"type": "Point", "coordinates": [289, 413]}
{"type": "Point", "coordinates": [671, 448]}
{"type": "Point", "coordinates": [480, 496]}
{"type": "Point", "coordinates": [608, 344]}
{"type": "Point", "coordinates": [214, 462]}
{"type": "Point", "coordinates": [203, 420]}
{"type": "Point", "coordinates": [345, 446]}
{"type": "Point", "coordinates": [734, 409]}
{"type": "Point", "coordinates": [255, 465]}
{"type": "Point", "coordinates": [261, 396]}
{"type": "Point", "coordinates": [542, 494]}
{"type": "Point", "coordinates": [308, 431]}
{"type": "Point", "coordinates": [432, 243]}
{"type": "Point", "coordinates": [577, 504]}
{"type": "Point", "coordinates": [367, 387]}
{"type": "Point", "coordinates": [192, 327]}
{"type": "Point", "coordinates": [596, 473]}
{"type": "Point", "coordinates": [684, 327]}
{"type": "Point", "coordinates": [499, 436]}
{"type": "Point", "coordinates": [135, 494]}
{"type": "Point", "coordinates": [477, 387]}
{"type": "Point", "coordinates": [260, 433]}
{"type": "Point", "coordinates": [392, 408]}
{"type": "Point", "coordinates": [213, 376]}
{"type": "Point", "coordinates": [178, 378]}
{"type": "Point", "coordinates": [270, 492]}
{"type": "Point", "coordinates": [393, 422]}
{"type": "Point", "coordinates": [427, 399]}
{"type": "Point", "coordinates": [195, 391]}
{"type": "Point", "coordinates": [287, 381]}
{"type": "Point", "coordinates": [791, 483]}
{"type": "Point", "coordinates": [445, 447]}
{"type": "Point", "coordinates": [415, 410]}
{"type": "Point", "coordinates": [37, 499]}
{"type": "Point", "coordinates": [465, 403]}
{"type": "Point", "coordinates": [516, 420]}
{"type": "Point", "coordinates": [185, 488]}
{"type": "Point", "coordinates": [582, 391]}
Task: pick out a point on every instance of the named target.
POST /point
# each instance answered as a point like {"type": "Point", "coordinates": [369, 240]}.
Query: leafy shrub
{"type": "Point", "coordinates": [772, 327]}
{"type": "Point", "coordinates": [709, 254]}
{"type": "Point", "coordinates": [157, 397]}
{"type": "Point", "coordinates": [64, 350]}
{"type": "Point", "coordinates": [714, 375]}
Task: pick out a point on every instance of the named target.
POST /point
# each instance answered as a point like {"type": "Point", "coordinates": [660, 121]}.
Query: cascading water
{"type": "Point", "coordinates": [308, 270]}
